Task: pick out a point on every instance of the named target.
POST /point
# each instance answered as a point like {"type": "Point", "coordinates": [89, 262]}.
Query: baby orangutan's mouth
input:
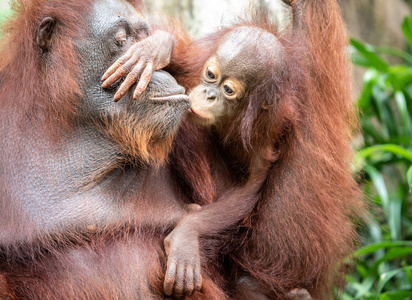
{"type": "Point", "coordinates": [194, 114]}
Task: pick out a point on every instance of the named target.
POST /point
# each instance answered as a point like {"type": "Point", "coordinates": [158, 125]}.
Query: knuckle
{"type": "Point", "coordinates": [199, 284]}
{"type": "Point", "coordinates": [134, 73]}
{"type": "Point", "coordinates": [129, 80]}
{"type": "Point", "coordinates": [189, 289]}
{"type": "Point", "coordinates": [120, 62]}
{"type": "Point", "coordinates": [169, 280]}
{"type": "Point", "coordinates": [178, 290]}
{"type": "Point", "coordinates": [122, 70]}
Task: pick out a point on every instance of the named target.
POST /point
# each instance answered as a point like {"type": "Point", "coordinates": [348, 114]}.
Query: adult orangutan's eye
{"type": "Point", "coordinates": [121, 42]}
{"type": "Point", "coordinates": [121, 38]}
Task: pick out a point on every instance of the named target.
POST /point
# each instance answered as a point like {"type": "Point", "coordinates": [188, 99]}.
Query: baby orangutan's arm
{"type": "Point", "coordinates": [183, 274]}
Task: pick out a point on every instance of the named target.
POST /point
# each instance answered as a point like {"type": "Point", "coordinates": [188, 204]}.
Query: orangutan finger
{"type": "Point", "coordinates": [117, 64]}
{"type": "Point", "coordinates": [192, 208]}
{"type": "Point", "coordinates": [198, 278]}
{"type": "Point", "coordinates": [170, 278]}
{"type": "Point", "coordinates": [179, 283]}
{"type": "Point", "coordinates": [129, 81]}
{"type": "Point", "coordinates": [143, 81]}
{"type": "Point", "coordinates": [189, 281]}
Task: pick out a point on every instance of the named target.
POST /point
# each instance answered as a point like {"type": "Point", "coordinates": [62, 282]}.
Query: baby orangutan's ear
{"type": "Point", "coordinates": [45, 32]}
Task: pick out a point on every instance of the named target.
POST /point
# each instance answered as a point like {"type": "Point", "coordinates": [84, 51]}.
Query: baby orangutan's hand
{"type": "Point", "coordinates": [183, 273]}
{"type": "Point", "coordinates": [139, 62]}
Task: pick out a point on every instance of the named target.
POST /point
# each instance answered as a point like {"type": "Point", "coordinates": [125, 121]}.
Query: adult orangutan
{"type": "Point", "coordinates": [85, 200]}
{"type": "Point", "coordinates": [268, 98]}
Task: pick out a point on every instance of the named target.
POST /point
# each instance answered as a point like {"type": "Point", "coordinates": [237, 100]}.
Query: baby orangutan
{"type": "Point", "coordinates": [237, 83]}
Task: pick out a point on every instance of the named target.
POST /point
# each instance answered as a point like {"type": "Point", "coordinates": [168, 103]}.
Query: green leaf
{"type": "Point", "coordinates": [380, 186]}
{"type": "Point", "coordinates": [400, 76]}
{"type": "Point", "coordinates": [393, 51]}
{"type": "Point", "coordinates": [383, 245]}
{"type": "Point", "coordinates": [409, 276]}
{"type": "Point", "coordinates": [370, 133]}
{"type": "Point", "coordinates": [381, 96]}
{"type": "Point", "coordinates": [409, 178]}
{"type": "Point", "coordinates": [391, 148]}
{"type": "Point", "coordinates": [373, 60]}
{"type": "Point", "coordinates": [407, 29]}
{"type": "Point", "coordinates": [369, 81]}
{"type": "Point", "coordinates": [395, 295]}
{"type": "Point", "coordinates": [364, 288]}
{"type": "Point", "coordinates": [385, 277]}
{"type": "Point", "coordinates": [393, 253]}
{"type": "Point", "coordinates": [394, 217]}
{"type": "Point", "coordinates": [406, 124]}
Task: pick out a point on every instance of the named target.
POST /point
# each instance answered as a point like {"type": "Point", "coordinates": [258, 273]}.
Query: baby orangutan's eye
{"type": "Point", "coordinates": [228, 90]}
{"type": "Point", "coordinates": [233, 89]}
{"type": "Point", "coordinates": [210, 74]}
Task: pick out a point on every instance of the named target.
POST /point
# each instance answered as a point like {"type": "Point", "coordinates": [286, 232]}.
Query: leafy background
{"type": "Point", "coordinates": [383, 265]}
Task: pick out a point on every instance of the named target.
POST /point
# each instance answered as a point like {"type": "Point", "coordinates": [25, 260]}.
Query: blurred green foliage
{"type": "Point", "coordinates": [383, 267]}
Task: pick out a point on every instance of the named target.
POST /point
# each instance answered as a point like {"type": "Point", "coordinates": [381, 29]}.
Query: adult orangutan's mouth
{"type": "Point", "coordinates": [177, 94]}
{"type": "Point", "coordinates": [175, 98]}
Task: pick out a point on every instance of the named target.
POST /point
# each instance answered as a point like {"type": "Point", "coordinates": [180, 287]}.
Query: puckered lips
{"type": "Point", "coordinates": [172, 96]}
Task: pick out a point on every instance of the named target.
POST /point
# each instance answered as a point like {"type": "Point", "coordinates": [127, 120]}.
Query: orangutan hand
{"type": "Point", "coordinates": [139, 62]}
{"type": "Point", "coordinates": [183, 273]}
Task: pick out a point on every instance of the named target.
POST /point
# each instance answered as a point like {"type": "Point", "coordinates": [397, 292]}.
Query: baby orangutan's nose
{"type": "Point", "coordinates": [211, 94]}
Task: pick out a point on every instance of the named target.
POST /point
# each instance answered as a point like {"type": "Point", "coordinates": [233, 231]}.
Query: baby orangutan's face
{"type": "Point", "coordinates": [217, 96]}
{"type": "Point", "coordinates": [244, 55]}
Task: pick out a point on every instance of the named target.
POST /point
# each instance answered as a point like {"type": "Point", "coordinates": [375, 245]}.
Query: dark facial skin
{"type": "Point", "coordinates": [112, 34]}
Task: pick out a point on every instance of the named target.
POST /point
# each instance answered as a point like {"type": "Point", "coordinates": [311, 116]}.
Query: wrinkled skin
{"type": "Point", "coordinates": [141, 59]}
{"type": "Point", "coordinates": [61, 192]}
